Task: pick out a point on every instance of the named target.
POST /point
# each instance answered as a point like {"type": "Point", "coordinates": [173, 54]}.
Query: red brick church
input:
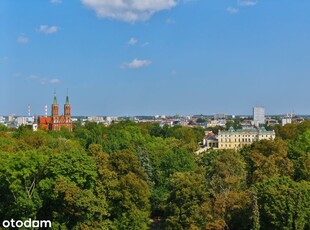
{"type": "Point", "coordinates": [55, 122]}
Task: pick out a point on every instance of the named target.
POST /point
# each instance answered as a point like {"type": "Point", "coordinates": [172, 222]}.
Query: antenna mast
{"type": "Point", "coordinates": [45, 110]}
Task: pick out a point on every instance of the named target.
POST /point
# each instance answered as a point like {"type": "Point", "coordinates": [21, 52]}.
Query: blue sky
{"type": "Point", "coordinates": [138, 57]}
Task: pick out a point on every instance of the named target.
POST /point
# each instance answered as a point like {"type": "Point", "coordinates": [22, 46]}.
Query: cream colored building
{"type": "Point", "coordinates": [234, 139]}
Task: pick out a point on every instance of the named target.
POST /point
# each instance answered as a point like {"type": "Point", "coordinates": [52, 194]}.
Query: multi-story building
{"type": "Point", "coordinates": [24, 121]}
{"type": "Point", "coordinates": [11, 118]}
{"type": "Point", "coordinates": [235, 139]}
{"type": "Point", "coordinates": [2, 119]}
{"type": "Point", "coordinates": [271, 122]}
{"type": "Point", "coordinates": [258, 116]}
{"type": "Point", "coordinates": [286, 120]}
{"type": "Point", "coordinates": [214, 123]}
{"type": "Point", "coordinates": [55, 122]}
{"type": "Point", "coordinates": [97, 119]}
{"type": "Point", "coordinates": [219, 116]}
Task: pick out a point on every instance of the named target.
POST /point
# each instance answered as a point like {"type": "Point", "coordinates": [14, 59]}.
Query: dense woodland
{"type": "Point", "coordinates": [143, 176]}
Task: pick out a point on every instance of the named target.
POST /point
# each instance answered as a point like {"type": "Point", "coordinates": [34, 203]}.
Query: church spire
{"type": "Point", "coordinates": [67, 107]}
{"type": "Point", "coordinates": [55, 107]}
{"type": "Point", "coordinates": [55, 98]}
{"type": "Point", "coordinates": [67, 98]}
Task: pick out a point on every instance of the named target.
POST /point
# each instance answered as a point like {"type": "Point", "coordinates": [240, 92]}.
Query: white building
{"type": "Point", "coordinates": [97, 119]}
{"type": "Point", "coordinates": [286, 120]}
{"type": "Point", "coordinates": [24, 120]}
{"type": "Point", "coordinates": [109, 120]}
{"type": "Point", "coordinates": [214, 123]}
{"type": "Point", "coordinates": [258, 116]}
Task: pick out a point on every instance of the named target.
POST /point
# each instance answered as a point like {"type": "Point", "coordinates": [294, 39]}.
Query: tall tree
{"type": "Point", "coordinates": [268, 158]}
{"type": "Point", "coordinates": [20, 175]}
{"type": "Point", "coordinates": [187, 202]}
{"type": "Point", "coordinates": [299, 153]}
{"type": "Point", "coordinates": [284, 204]}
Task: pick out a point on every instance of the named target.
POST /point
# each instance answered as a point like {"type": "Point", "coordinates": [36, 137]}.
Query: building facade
{"type": "Point", "coordinates": [56, 122]}
{"type": "Point", "coordinates": [235, 139]}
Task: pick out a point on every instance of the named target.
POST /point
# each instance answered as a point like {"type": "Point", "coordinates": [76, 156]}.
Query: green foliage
{"type": "Point", "coordinates": [179, 160]}
{"type": "Point", "coordinates": [215, 129]}
{"type": "Point", "coordinates": [187, 202]}
{"type": "Point", "coordinates": [130, 205]}
{"type": "Point", "coordinates": [124, 175]}
{"type": "Point", "coordinates": [122, 136]}
{"type": "Point", "coordinates": [299, 153]}
{"type": "Point", "coordinates": [226, 176]}
{"type": "Point", "coordinates": [201, 120]}
{"type": "Point", "coordinates": [284, 204]}
{"type": "Point", "coordinates": [228, 173]}
{"type": "Point", "coordinates": [291, 131]}
{"type": "Point", "coordinates": [67, 189]}
{"type": "Point", "coordinates": [268, 159]}
{"type": "Point", "coordinates": [20, 174]}
{"type": "Point", "coordinates": [3, 128]}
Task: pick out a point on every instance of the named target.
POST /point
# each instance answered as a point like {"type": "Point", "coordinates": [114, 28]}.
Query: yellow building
{"type": "Point", "coordinates": [234, 139]}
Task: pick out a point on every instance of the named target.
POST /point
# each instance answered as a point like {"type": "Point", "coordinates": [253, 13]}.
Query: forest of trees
{"type": "Point", "coordinates": [143, 176]}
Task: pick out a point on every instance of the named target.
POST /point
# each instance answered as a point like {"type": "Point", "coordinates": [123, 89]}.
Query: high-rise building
{"type": "Point", "coordinates": [258, 116]}
{"type": "Point", "coordinates": [219, 116]}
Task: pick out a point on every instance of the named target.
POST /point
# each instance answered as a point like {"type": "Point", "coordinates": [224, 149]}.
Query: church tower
{"type": "Point", "coordinates": [67, 108]}
{"type": "Point", "coordinates": [67, 114]}
{"type": "Point", "coordinates": [55, 122]}
{"type": "Point", "coordinates": [55, 114]}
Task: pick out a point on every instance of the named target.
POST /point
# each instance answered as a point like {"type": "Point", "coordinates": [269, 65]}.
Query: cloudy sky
{"type": "Point", "coordinates": [148, 57]}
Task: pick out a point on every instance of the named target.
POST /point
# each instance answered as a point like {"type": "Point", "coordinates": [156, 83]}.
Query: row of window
{"type": "Point", "coordinates": [253, 136]}
{"type": "Point", "coordinates": [240, 135]}
{"type": "Point", "coordinates": [231, 146]}
{"type": "Point", "coordinates": [238, 140]}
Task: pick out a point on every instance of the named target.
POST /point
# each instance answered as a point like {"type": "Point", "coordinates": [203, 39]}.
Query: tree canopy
{"type": "Point", "coordinates": [144, 176]}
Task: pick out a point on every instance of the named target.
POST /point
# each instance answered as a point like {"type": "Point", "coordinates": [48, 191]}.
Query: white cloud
{"type": "Point", "coordinates": [132, 41]}
{"type": "Point", "coordinates": [136, 63]}
{"type": "Point", "coordinates": [247, 3]}
{"type": "Point", "coordinates": [145, 44]}
{"type": "Point", "coordinates": [22, 39]}
{"type": "Point", "coordinates": [43, 80]}
{"type": "Point", "coordinates": [129, 10]}
{"type": "Point", "coordinates": [56, 1]}
{"type": "Point", "coordinates": [54, 81]}
{"type": "Point", "coordinates": [232, 10]}
{"type": "Point", "coordinates": [47, 29]}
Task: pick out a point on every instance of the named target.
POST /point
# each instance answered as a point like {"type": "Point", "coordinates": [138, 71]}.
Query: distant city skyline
{"type": "Point", "coordinates": [160, 57]}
